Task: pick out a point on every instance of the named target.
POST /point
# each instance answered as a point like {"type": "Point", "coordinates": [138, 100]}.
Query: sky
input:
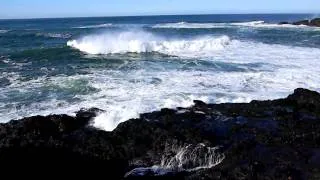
{"type": "Point", "coordinates": [84, 8]}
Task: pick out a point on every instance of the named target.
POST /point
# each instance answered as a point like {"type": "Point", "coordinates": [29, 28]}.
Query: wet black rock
{"type": "Point", "coordinates": [277, 139]}
{"type": "Point", "coordinates": [314, 22]}
{"type": "Point", "coordinates": [303, 22]}
{"type": "Point", "coordinates": [284, 22]}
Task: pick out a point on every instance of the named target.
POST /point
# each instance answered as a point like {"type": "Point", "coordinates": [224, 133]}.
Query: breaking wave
{"type": "Point", "coordinates": [144, 42]}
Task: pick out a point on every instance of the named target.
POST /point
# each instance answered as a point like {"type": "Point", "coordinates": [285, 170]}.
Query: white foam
{"type": "Point", "coordinates": [251, 24]}
{"type": "Point", "coordinates": [182, 158]}
{"type": "Point", "coordinates": [144, 42]}
{"type": "Point", "coordinates": [268, 71]}
{"type": "Point", "coordinates": [94, 26]}
{"type": "Point", "coordinates": [55, 35]}
{"type": "Point", "coordinates": [262, 24]}
{"type": "Point", "coordinates": [59, 35]}
{"type": "Point", "coordinates": [6, 60]}
{"type": "Point", "coordinates": [192, 158]}
{"type": "Point", "coordinates": [185, 25]}
{"type": "Point", "coordinates": [2, 31]}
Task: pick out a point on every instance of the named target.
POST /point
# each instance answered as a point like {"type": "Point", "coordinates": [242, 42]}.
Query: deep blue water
{"type": "Point", "coordinates": [130, 65]}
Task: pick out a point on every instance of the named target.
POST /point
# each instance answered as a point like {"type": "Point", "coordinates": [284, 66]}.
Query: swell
{"type": "Point", "coordinates": [45, 56]}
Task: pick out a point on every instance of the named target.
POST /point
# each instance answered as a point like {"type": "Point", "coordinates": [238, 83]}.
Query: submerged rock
{"type": "Point", "coordinates": [277, 139]}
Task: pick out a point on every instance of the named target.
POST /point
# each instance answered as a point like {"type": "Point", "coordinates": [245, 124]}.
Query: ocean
{"type": "Point", "coordinates": [131, 65]}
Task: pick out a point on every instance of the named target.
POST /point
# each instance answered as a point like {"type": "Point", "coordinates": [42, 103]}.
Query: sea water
{"type": "Point", "coordinates": [131, 65]}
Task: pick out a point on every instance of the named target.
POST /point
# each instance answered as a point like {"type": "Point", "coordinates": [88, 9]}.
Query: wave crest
{"type": "Point", "coordinates": [250, 23]}
{"type": "Point", "coordinates": [144, 42]}
{"type": "Point", "coordinates": [186, 25]}
{"type": "Point", "coordinates": [94, 26]}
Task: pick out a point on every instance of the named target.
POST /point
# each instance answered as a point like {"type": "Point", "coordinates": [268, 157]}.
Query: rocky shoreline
{"type": "Point", "coordinates": [313, 22]}
{"type": "Point", "coordinates": [277, 139]}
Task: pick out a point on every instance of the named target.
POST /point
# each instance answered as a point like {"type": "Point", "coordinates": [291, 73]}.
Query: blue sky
{"type": "Point", "coordinates": [76, 8]}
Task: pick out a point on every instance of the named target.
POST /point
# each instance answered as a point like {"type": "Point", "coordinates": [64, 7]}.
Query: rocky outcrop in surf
{"type": "Point", "coordinates": [277, 139]}
{"type": "Point", "coordinates": [314, 22]}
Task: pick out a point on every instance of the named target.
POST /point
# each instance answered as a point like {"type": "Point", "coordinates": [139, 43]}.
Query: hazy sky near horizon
{"type": "Point", "coordinates": [82, 8]}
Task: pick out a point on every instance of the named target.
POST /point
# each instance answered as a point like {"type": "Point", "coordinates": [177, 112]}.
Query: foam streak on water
{"type": "Point", "coordinates": [2, 31]}
{"type": "Point", "coordinates": [251, 24]}
{"type": "Point", "coordinates": [94, 26]}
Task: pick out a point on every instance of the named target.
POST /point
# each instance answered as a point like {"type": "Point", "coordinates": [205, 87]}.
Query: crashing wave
{"type": "Point", "coordinates": [144, 42]}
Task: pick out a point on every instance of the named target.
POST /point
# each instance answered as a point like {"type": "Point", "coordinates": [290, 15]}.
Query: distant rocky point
{"type": "Point", "coordinates": [314, 22]}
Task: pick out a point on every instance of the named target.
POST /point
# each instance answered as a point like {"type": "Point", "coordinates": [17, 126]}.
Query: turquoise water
{"type": "Point", "coordinates": [131, 65]}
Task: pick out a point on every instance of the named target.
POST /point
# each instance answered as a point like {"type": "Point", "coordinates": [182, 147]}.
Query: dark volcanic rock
{"type": "Point", "coordinates": [277, 139]}
{"type": "Point", "coordinates": [303, 22]}
{"type": "Point", "coordinates": [315, 22]}
{"type": "Point", "coordinates": [284, 22]}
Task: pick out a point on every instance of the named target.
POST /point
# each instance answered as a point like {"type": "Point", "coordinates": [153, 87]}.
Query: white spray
{"type": "Point", "coordinates": [144, 42]}
{"type": "Point", "coordinates": [192, 157]}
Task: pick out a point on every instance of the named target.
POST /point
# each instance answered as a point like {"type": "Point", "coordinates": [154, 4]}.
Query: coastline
{"type": "Point", "coordinates": [276, 139]}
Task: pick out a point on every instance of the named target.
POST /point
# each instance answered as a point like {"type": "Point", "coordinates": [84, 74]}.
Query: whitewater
{"type": "Point", "coordinates": [135, 66]}
{"type": "Point", "coordinates": [143, 42]}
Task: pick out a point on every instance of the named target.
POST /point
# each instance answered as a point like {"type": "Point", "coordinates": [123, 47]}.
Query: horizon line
{"type": "Point", "coordinates": [197, 14]}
